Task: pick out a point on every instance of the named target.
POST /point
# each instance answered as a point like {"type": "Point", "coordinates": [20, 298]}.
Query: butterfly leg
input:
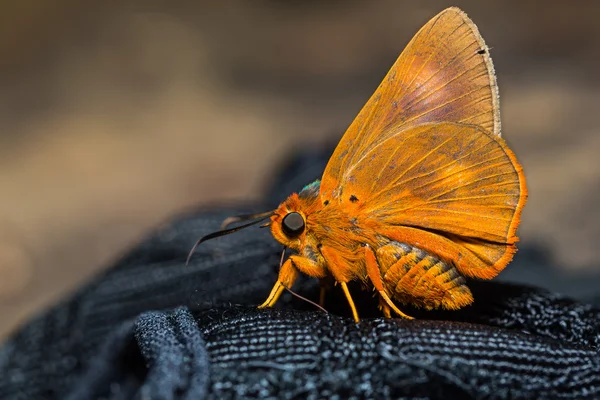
{"type": "Point", "coordinates": [338, 268]}
{"type": "Point", "coordinates": [350, 301]}
{"type": "Point", "coordinates": [375, 277]}
{"type": "Point", "coordinates": [385, 309]}
{"type": "Point", "coordinates": [287, 276]}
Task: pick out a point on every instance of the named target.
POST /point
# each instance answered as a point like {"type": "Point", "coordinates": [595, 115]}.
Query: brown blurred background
{"type": "Point", "coordinates": [116, 115]}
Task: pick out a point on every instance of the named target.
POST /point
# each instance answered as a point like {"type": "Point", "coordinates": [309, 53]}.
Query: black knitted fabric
{"type": "Point", "coordinates": [152, 328]}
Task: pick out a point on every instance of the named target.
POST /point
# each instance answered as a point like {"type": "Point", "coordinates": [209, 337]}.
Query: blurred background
{"type": "Point", "coordinates": [117, 115]}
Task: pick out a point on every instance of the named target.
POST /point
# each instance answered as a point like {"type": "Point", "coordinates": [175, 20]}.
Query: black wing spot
{"type": "Point", "coordinates": [326, 202]}
{"type": "Point", "coordinates": [353, 198]}
{"type": "Point", "coordinates": [482, 51]}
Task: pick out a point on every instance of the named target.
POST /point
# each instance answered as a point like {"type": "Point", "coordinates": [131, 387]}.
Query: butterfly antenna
{"type": "Point", "coordinates": [305, 299]}
{"type": "Point", "coordinates": [239, 218]}
{"type": "Point", "coordinates": [220, 233]}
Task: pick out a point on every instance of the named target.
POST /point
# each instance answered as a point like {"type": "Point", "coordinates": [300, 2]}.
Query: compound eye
{"type": "Point", "coordinates": [293, 224]}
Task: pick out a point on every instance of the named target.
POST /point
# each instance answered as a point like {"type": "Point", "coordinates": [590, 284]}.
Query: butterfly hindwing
{"type": "Point", "coordinates": [456, 181]}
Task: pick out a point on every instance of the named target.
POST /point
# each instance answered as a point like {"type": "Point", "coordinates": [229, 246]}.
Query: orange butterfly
{"type": "Point", "coordinates": [420, 192]}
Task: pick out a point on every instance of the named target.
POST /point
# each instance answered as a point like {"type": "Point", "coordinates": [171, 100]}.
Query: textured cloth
{"type": "Point", "coordinates": [152, 328]}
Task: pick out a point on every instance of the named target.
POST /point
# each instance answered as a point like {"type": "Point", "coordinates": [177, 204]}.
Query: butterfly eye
{"type": "Point", "coordinates": [293, 224]}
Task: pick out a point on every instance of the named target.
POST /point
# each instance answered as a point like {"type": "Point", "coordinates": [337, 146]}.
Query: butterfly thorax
{"type": "Point", "coordinates": [328, 225]}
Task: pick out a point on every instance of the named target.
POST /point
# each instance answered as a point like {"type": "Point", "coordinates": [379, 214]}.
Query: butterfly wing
{"type": "Point", "coordinates": [423, 162]}
{"type": "Point", "coordinates": [445, 74]}
{"type": "Point", "coordinates": [449, 188]}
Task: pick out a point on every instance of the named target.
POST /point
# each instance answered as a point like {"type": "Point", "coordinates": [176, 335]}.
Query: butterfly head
{"type": "Point", "coordinates": [288, 223]}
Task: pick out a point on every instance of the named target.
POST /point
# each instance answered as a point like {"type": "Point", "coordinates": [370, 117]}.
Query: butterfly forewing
{"type": "Point", "coordinates": [445, 74]}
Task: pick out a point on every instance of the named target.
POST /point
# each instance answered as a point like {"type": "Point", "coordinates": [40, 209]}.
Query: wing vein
{"type": "Point", "coordinates": [383, 168]}
{"type": "Point", "coordinates": [454, 173]}
{"type": "Point", "coordinates": [470, 183]}
{"type": "Point", "coordinates": [396, 183]}
{"type": "Point", "coordinates": [431, 92]}
{"type": "Point", "coordinates": [429, 110]}
{"type": "Point", "coordinates": [373, 148]}
{"type": "Point", "coordinates": [487, 216]}
{"type": "Point", "coordinates": [485, 196]}
{"type": "Point", "coordinates": [433, 150]}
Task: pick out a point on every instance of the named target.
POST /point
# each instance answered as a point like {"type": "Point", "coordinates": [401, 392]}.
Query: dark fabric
{"type": "Point", "coordinates": [152, 328]}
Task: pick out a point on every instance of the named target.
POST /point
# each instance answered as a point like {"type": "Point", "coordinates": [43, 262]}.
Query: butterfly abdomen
{"type": "Point", "coordinates": [411, 275]}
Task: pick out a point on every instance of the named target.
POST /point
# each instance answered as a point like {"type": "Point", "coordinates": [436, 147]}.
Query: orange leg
{"type": "Point", "coordinates": [336, 266]}
{"type": "Point", "coordinates": [308, 267]}
{"type": "Point", "coordinates": [375, 277]}
{"type": "Point", "coordinates": [385, 309]}
{"type": "Point", "coordinates": [287, 276]}
{"type": "Point", "coordinates": [350, 301]}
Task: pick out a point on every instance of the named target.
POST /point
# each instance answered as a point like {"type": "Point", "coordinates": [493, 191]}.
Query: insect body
{"type": "Point", "coordinates": [421, 191]}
